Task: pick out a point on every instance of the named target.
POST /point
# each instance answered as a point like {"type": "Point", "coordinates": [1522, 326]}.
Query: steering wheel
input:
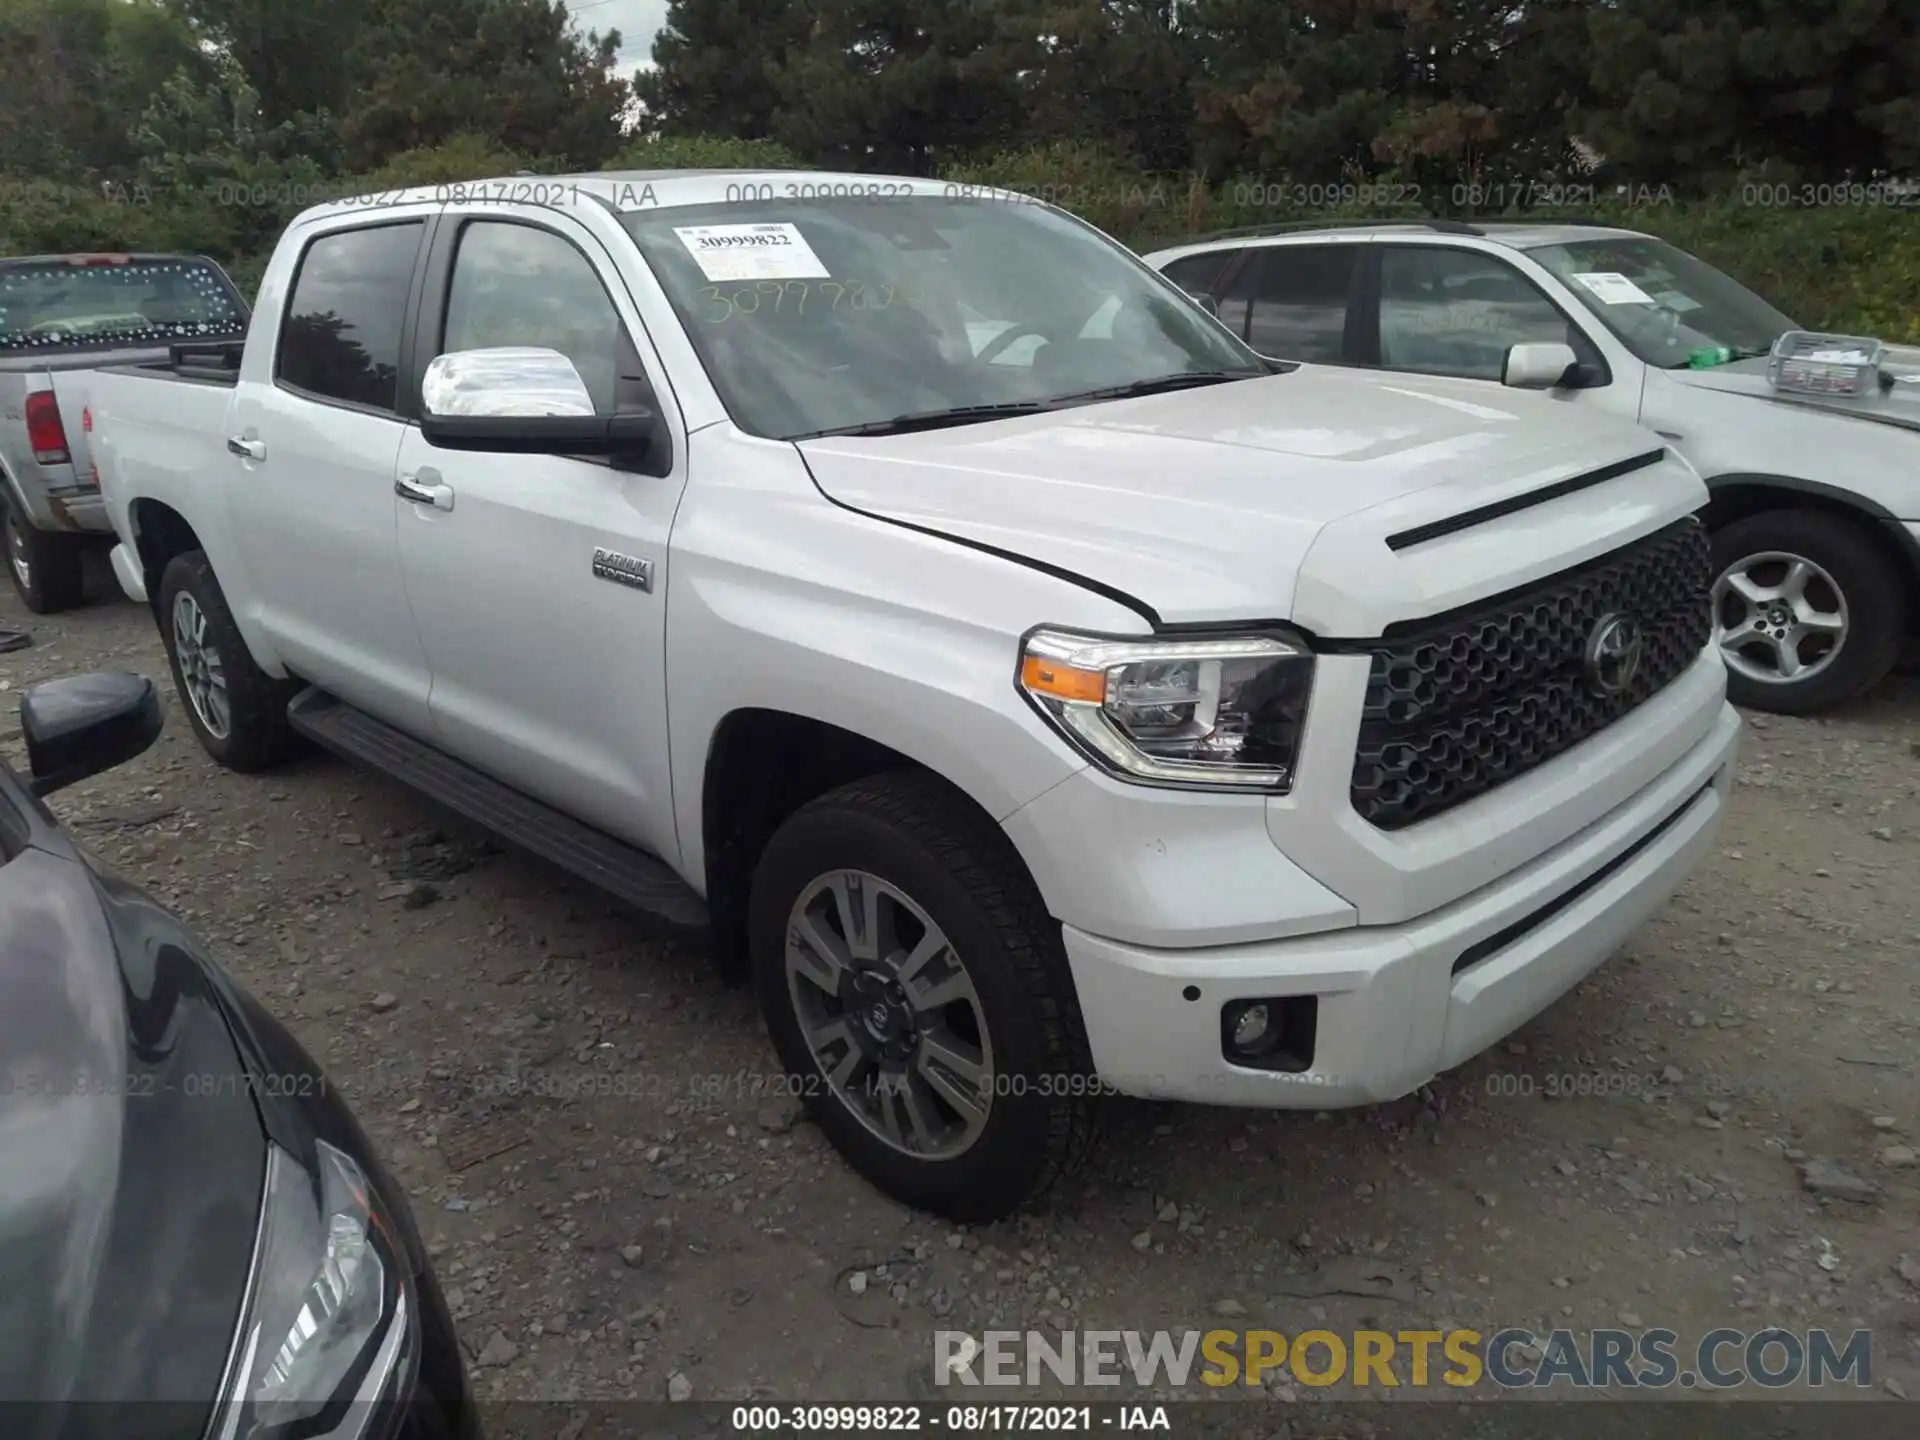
{"type": "Point", "coordinates": [1003, 342]}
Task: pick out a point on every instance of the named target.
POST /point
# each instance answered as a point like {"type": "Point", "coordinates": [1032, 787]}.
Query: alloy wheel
{"type": "Point", "coordinates": [202, 674]}
{"type": "Point", "coordinates": [1778, 618]}
{"type": "Point", "coordinates": [889, 1014]}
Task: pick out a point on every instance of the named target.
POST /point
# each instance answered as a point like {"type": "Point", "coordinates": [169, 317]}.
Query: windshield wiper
{"type": "Point", "coordinates": [1158, 385]}
{"type": "Point", "coordinates": [933, 419]}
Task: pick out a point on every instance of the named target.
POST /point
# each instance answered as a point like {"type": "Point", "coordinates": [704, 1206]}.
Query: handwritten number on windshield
{"type": "Point", "coordinates": [793, 296]}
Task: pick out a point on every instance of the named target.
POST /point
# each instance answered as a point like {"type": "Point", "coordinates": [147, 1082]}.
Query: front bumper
{"type": "Point", "coordinates": [1398, 1004]}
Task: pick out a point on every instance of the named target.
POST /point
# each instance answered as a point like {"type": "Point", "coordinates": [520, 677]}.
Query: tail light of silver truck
{"type": "Point", "coordinates": [45, 434]}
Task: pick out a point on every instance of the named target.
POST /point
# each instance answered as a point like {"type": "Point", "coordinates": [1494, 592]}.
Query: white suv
{"type": "Point", "coordinates": [1816, 496]}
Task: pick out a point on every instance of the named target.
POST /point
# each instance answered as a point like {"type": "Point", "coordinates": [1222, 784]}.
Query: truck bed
{"type": "Point", "coordinates": [158, 426]}
{"type": "Point", "coordinates": [209, 363]}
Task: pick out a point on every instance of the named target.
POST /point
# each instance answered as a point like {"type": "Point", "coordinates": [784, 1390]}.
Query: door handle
{"type": "Point", "coordinates": [425, 487]}
{"type": "Point", "coordinates": [247, 448]}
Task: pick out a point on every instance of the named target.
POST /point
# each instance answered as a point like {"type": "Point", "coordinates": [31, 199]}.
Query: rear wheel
{"type": "Point", "coordinates": [237, 710]}
{"type": "Point", "coordinates": [48, 569]}
{"type": "Point", "coordinates": [1808, 611]}
{"type": "Point", "coordinates": [918, 996]}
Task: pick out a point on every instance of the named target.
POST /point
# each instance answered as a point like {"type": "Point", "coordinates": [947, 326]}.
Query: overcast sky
{"type": "Point", "coordinates": [636, 20]}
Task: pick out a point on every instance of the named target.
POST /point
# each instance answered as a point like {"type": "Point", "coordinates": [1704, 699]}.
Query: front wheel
{"type": "Point", "coordinates": [1808, 610]}
{"type": "Point", "coordinates": [919, 998]}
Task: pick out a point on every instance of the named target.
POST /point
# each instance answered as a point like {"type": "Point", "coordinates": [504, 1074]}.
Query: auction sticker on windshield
{"type": "Point", "coordinates": [770, 251]}
{"type": "Point", "coordinates": [1610, 288]}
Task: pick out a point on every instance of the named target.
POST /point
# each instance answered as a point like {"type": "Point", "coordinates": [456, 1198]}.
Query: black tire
{"type": "Point", "coordinates": [913, 833]}
{"type": "Point", "coordinates": [1871, 585]}
{"type": "Point", "coordinates": [55, 563]}
{"type": "Point", "coordinates": [258, 734]}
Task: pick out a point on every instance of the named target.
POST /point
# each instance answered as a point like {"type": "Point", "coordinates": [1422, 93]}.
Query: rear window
{"type": "Point", "coordinates": [59, 305]}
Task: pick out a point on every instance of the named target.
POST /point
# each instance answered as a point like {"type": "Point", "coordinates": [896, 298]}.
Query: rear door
{"type": "Point", "coordinates": [541, 586]}
{"type": "Point", "coordinates": [314, 435]}
{"type": "Point", "coordinates": [1297, 302]}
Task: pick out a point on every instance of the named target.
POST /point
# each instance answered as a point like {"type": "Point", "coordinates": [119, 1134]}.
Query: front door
{"type": "Point", "coordinates": [540, 592]}
{"type": "Point", "coordinates": [1449, 310]}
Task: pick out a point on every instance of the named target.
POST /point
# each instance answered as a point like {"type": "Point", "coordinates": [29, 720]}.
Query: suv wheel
{"type": "Point", "coordinates": [1808, 611]}
{"type": "Point", "coordinates": [237, 710]}
{"type": "Point", "coordinates": [919, 999]}
{"type": "Point", "coordinates": [47, 569]}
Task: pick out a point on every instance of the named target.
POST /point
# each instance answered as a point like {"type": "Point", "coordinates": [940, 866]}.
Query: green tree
{"type": "Point", "coordinates": [1117, 72]}
{"type": "Point", "coordinates": [1326, 92]}
{"type": "Point", "coordinates": [904, 85]}
{"type": "Point", "coordinates": [74, 71]}
{"type": "Point", "coordinates": [513, 72]}
{"type": "Point", "coordinates": [716, 64]}
{"type": "Point", "coordinates": [294, 54]}
{"type": "Point", "coordinates": [218, 177]}
{"type": "Point", "coordinates": [1823, 90]}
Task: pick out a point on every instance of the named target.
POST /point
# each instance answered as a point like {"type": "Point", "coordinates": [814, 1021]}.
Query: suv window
{"type": "Point", "coordinates": [1298, 300]}
{"type": "Point", "coordinates": [341, 339]}
{"type": "Point", "coordinates": [1195, 274]}
{"type": "Point", "coordinates": [519, 285]}
{"type": "Point", "coordinates": [1456, 312]}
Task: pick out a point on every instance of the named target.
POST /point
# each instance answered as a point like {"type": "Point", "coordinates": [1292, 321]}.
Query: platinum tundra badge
{"type": "Point", "coordinates": [622, 569]}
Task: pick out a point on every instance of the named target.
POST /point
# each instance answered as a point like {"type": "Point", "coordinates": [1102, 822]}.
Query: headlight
{"type": "Point", "coordinates": [326, 1324]}
{"type": "Point", "coordinates": [1222, 711]}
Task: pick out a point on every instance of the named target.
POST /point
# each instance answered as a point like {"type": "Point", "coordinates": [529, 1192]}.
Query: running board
{"type": "Point", "coordinates": [643, 881]}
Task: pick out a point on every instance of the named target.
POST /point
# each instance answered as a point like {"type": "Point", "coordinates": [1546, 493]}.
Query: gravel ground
{"type": "Point", "coordinates": [622, 1205]}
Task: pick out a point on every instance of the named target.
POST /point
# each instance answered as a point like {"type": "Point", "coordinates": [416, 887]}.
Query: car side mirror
{"type": "Point", "coordinates": [79, 726]}
{"type": "Point", "coordinates": [1207, 303]}
{"type": "Point", "coordinates": [521, 400]}
{"type": "Point", "coordinates": [1546, 366]}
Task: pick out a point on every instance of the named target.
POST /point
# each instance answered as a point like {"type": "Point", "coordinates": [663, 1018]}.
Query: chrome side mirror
{"type": "Point", "coordinates": [506, 381]}
{"type": "Point", "coordinates": [1546, 366]}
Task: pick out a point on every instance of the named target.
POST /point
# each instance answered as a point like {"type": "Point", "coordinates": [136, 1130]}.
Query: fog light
{"type": "Point", "coordinates": [1270, 1033]}
{"type": "Point", "coordinates": [1250, 1027]}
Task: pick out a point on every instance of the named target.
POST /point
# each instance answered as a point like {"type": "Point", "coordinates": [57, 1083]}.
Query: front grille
{"type": "Point", "coordinates": [1468, 701]}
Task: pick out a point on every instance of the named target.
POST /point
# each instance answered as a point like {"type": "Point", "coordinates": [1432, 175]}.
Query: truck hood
{"type": "Point", "coordinates": [1899, 406]}
{"type": "Point", "coordinates": [1289, 497]}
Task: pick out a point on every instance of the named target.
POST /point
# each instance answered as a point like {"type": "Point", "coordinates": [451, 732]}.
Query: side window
{"type": "Point", "coordinates": [1455, 312]}
{"type": "Point", "coordinates": [1299, 301]}
{"type": "Point", "coordinates": [518, 285]}
{"type": "Point", "coordinates": [1195, 274]}
{"type": "Point", "coordinates": [341, 336]}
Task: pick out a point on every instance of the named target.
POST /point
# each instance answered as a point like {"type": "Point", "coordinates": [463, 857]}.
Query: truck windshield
{"type": "Point", "coordinates": [1663, 303]}
{"type": "Point", "coordinates": [835, 314]}
{"type": "Point", "coordinates": [114, 303]}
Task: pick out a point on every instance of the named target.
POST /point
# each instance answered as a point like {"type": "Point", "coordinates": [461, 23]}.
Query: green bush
{"type": "Point", "coordinates": [462, 159]}
{"type": "Point", "coordinates": [705, 152]}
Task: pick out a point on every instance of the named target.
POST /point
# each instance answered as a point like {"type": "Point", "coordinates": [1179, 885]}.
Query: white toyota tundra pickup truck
{"type": "Point", "coordinates": [1035, 691]}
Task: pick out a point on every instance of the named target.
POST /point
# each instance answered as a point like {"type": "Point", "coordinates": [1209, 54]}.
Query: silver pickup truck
{"type": "Point", "coordinates": [62, 317]}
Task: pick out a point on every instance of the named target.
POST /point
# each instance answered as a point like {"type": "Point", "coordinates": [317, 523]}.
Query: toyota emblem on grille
{"type": "Point", "coordinates": [1614, 648]}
